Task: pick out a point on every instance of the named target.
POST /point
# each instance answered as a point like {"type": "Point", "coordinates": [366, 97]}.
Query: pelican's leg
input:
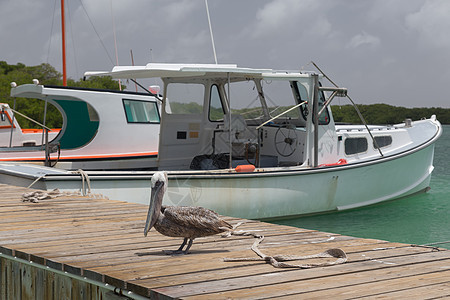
{"type": "Point", "coordinates": [188, 246]}
{"type": "Point", "coordinates": [179, 250]}
{"type": "Point", "coordinates": [182, 245]}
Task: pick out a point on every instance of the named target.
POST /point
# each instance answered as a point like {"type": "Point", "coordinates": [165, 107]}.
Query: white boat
{"type": "Point", "coordinates": [101, 130]}
{"type": "Point", "coordinates": [288, 157]}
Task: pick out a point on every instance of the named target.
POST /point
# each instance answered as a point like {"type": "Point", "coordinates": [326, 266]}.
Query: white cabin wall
{"type": "Point", "coordinates": [184, 136]}
{"type": "Point", "coordinates": [179, 140]}
{"type": "Point", "coordinates": [329, 148]}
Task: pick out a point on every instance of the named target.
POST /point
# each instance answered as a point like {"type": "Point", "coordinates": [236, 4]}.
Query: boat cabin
{"type": "Point", "coordinates": [222, 117]}
{"type": "Point", "coordinates": [101, 129]}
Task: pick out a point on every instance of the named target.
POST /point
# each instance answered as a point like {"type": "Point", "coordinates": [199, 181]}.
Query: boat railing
{"type": "Point", "coordinates": [45, 146]}
{"type": "Point", "coordinates": [343, 93]}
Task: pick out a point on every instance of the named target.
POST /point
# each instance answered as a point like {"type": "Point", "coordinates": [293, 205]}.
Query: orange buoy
{"type": "Point", "coordinates": [245, 168]}
{"type": "Point", "coordinates": [342, 161]}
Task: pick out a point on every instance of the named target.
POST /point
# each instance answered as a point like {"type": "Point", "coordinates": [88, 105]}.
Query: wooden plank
{"type": "Point", "coordinates": [420, 286]}
{"type": "Point", "coordinates": [103, 239]}
{"type": "Point", "coordinates": [184, 276]}
{"type": "Point", "coordinates": [209, 260]}
{"type": "Point", "coordinates": [255, 281]}
{"type": "Point", "coordinates": [141, 252]}
{"type": "Point", "coordinates": [350, 284]}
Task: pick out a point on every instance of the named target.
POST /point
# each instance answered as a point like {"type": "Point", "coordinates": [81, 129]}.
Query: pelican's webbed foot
{"type": "Point", "coordinates": [180, 250]}
{"type": "Point", "coordinates": [174, 252]}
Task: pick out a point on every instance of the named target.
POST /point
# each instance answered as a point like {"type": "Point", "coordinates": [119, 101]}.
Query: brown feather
{"type": "Point", "coordinates": [190, 222]}
{"type": "Point", "coordinates": [182, 221]}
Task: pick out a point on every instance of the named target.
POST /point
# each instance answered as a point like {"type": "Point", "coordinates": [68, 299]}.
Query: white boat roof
{"type": "Point", "coordinates": [165, 70]}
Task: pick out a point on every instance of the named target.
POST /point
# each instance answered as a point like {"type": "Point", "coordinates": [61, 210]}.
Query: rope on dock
{"type": "Point", "coordinates": [86, 190]}
{"type": "Point", "coordinates": [431, 245]}
{"type": "Point", "coordinates": [36, 196]}
{"type": "Point", "coordinates": [278, 261]}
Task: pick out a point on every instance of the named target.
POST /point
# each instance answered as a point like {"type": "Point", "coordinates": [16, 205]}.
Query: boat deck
{"type": "Point", "coordinates": [101, 241]}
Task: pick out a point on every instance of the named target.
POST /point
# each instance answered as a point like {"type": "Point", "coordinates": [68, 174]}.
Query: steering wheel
{"type": "Point", "coordinates": [285, 141]}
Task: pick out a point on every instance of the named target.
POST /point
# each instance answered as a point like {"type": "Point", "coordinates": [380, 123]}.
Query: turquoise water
{"type": "Point", "coordinates": [419, 219]}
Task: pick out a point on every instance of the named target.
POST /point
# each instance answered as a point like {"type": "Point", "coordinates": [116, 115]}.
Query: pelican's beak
{"type": "Point", "coordinates": [152, 215]}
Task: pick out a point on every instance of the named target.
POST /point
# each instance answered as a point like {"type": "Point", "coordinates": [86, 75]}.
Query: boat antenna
{"type": "Point", "coordinates": [63, 30]}
{"type": "Point", "coordinates": [354, 105]}
{"type": "Point", "coordinates": [211, 32]}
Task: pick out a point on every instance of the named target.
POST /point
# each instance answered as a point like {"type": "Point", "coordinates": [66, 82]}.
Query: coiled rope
{"type": "Point", "coordinates": [36, 196]}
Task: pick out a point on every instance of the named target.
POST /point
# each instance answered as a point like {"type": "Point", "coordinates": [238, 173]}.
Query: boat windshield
{"type": "Point", "coordinates": [324, 118]}
{"type": "Point", "coordinates": [275, 98]}
{"type": "Point", "coordinates": [244, 100]}
{"type": "Point", "coordinates": [279, 99]}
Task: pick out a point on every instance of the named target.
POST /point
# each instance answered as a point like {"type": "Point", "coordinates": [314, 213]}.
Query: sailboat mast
{"type": "Point", "coordinates": [63, 29]}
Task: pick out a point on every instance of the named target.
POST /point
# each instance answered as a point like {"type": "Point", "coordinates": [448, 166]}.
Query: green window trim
{"type": "Point", "coordinates": [81, 124]}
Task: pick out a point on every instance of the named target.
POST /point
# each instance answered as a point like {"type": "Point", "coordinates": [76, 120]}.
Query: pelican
{"type": "Point", "coordinates": [180, 221]}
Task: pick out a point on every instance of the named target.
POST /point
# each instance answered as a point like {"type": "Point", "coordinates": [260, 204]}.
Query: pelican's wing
{"type": "Point", "coordinates": [196, 217]}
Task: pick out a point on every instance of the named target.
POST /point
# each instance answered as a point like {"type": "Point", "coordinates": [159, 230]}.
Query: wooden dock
{"type": "Point", "coordinates": [77, 247]}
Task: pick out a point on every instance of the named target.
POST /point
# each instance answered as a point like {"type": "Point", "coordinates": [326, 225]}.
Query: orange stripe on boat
{"type": "Point", "coordinates": [37, 130]}
{"type": "Point", "coordinates": [81, 157]}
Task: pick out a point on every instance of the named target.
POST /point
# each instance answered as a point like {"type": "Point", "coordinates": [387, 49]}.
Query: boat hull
{"type": "Point", "coordinates": [306, 192]}
{"type": "Point", "coordinates": [273, 194]}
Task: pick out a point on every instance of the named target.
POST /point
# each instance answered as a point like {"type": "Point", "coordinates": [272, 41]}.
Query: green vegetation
{"type": "Point", "coordinates": [217, 113]}
{"type": "Point", "coordinates": [375, 114]}
{"type": "Point", "coordinates": [186, 108]}
{"type": "Point", "coordinates": [47, 75]}
{"type": "Point", "coordinates": [379, 114]}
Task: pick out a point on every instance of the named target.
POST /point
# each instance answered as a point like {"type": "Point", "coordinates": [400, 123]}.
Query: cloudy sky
{"type": "Point", "coordinates": [383, 51]}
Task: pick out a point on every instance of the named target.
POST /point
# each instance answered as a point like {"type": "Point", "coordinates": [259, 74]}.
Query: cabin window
{"type": "Point", "coordinates": [244, 100]}
{"type": "Point", "coordinates": [93, 115]}
{"type": "Point", "coordinates": [279, 98]}
{"type": "Point", "coordinates": [301, 94]}
{"type": "Point", "coordinates": [324, 118]}
{"type": "Point", "coordinates": [216, 111]}
{"type": "Point", "coordinates": [382, 141]}
{"type": "Point", "coordinates": [141, 111]}
{"type": "Point", "coordinates": [185, 98]}
{"type": "Point", "coordinates": [355, 145]}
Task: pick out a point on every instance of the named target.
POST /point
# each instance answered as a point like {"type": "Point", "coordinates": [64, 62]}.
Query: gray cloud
{"type": "Point", "coordinates": [383, 51]}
